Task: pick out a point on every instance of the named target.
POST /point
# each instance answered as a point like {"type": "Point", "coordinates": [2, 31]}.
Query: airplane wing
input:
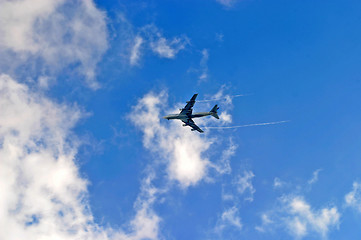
{"type": "Point", "coordinates": [188, 108]}
{"type": "Point", "coordinates": [191, 123]}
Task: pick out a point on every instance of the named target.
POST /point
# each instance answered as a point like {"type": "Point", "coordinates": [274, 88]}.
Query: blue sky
{"type": "Point", "coordinates": [85, 154]}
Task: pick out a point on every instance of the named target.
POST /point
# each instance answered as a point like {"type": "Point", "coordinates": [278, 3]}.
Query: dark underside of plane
{"type": "Point", "coordinates": [186, 115]}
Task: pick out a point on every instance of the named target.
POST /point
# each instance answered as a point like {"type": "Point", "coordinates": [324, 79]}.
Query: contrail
{"type": "Point", "coordinates": [249, 125]}
{"type": "Point", "coordinates": [216, 99]}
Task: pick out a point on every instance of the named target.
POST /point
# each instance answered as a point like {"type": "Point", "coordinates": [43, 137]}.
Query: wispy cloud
{"type": "Point", "coordinates": [160, 45]}
{"type": "Point", "coordinates": [135, 52]}
{"type": "Point", "coordinates": [167, 48]}
{"type": "Point", "coordinates": [223, 166]}
{"type": "Point", "coordinates": [299, 218]}
{"type": "Point", "coordinates": [314, 178]}
{"type": "Point", "coordinates": [219, 37]}
{"type": "Point", "coordinates": [150, 38]}
{"type": "Point", "coordinates": [294, 213]}
{"type": "Point", "coordinates": [277, 183]}
{"type": "Point", "coordinates": [353, 198]}
{"type": "Point", "coordinates": [266, 221]}
{"type": "Point", "coordinates": [243, 183]}
{"type": "Point", "coordinates": [201, 71]}
{"type": "Point", "coordinates": [229, 218]}
{"type": "Point", "coordinates": [145, 224]}
{"type": "Point", "coordinates": [240, 189]}
{"type": "Point", "coordinates": [234, 194]}
{"type": "Point", "coordinates": [302, 219]}
{"type": "Point", "coordinates": [227, 3]}
{"type": "Point", "coordinates": [203, 64]}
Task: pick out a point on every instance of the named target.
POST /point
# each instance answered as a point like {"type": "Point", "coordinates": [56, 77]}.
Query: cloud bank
{"type": "Point", "coordinates": [46, 36]}
{"type": "Point", "coordinates": [43, 195]}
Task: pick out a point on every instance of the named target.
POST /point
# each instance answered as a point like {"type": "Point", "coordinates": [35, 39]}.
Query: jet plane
{"type": "Point", "coordinates": [186, 114]}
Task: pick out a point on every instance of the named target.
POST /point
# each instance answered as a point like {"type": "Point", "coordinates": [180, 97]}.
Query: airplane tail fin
{"type": "Point", "coordinates": [214, 111]}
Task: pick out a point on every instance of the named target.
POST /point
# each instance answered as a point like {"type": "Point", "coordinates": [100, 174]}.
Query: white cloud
{"type": "Point", "coordinates": [160, 45]}
{"type": "Point", "coordinates": [42, 193]}
{"type": "Point", "coordinates": [243, 183]}
{"type": "Point", "coordinates": [145, 224]}
{"type": "Point", "coordinates": [181, 150]}
{"type": "Point", "coordinates": [165, 48]}
{"type": "Point", "coordinates": [184, 153]}
{"type": "Point", "coordinates": [149, 38]}
{"type": "Point", "coordinates": [353, 198]}
{"type": "Point", "coordinates": [296, 215]}
{"type": "Point", "coordinates": [225, 118]}
{"type": "Point", "coordinates": [240, 187]}
{"type": "Point", "coordinates": [302, 219]}
{"type": "Point", "coordinates": [51, 35]}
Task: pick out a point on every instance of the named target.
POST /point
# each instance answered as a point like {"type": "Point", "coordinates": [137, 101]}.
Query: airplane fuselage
{"type": "Point", "coordinates": [185, 116]}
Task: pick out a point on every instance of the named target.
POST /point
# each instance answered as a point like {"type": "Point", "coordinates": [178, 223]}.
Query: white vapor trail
{"type": "Point", "coordinates": [224, 98]}
{"type": "Point", "coordinates": [249, 125]}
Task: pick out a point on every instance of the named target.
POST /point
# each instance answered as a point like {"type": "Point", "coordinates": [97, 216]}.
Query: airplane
{"type": "Point", "coordinates": [186, 114]}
